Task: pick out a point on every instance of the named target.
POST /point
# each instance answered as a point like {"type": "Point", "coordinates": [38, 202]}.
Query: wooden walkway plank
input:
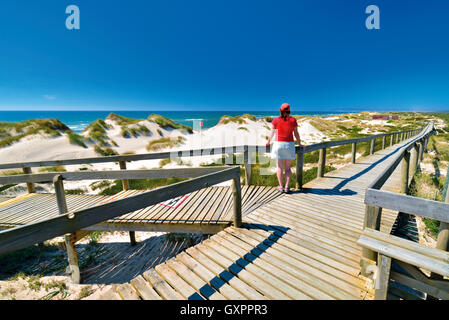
{"type": "Point", "coordinates": [292, 287]}
{"type": "Point", "coordinates": [170, 276]}
{"type": "Point", "coordinates": [254, 275]}
{"type": "Point", "coordinates": [224, 274]}
{"type": "Point", "coordinates": [194, 281]}
{"type": "Point", "coordinates": [161, 286]}
{"type": "Point", "coordinates": [299, 266]}
{"type": "Point", "coordinates": [144, 289]}
{"type": "Point", "coordinates": [209, 277]}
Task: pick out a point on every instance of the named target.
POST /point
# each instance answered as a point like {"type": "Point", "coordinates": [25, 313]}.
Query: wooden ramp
{"type": "Point", "coordinates": [298, 246]}
{"type": "Point", "coordinates": [208, 210]}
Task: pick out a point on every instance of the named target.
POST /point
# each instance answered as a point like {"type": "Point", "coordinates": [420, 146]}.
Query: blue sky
{"type": "Point", "coordinates": [224, 55]}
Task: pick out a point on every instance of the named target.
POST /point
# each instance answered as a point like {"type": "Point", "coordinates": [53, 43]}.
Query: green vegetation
{"type": "Point", "coordinates": [96, 132]}
{"type": "Point", "coordinates": [100, 184]}
{"type": "Point", "coordinates": [168, 123]}
{"type": "Point", "coordinates": [85, 292]}
{"type": "Point", "coordinates": [164, 162]}
{"type": "Point", "coordinates": [53, 169]}
{"type": "Point", "coordinates": [242, 128]}
{"type": "Point", "coordinates": [127, 132]}
{"type": "Point", "coordinates": [237, 119]}
{"type": "Point", "coordinates": [76, 191]}
{"type": "Point", "coordinates": [76, 139]}
{"type": "Point", "coordinates": [429, 184]}
{"type": "Point", "coordinates": [122, 120]}
{"type": "Point", "coordinates": [163, 143]}
{"type": "Point", "coordinates": [11, 132]}
{"type": "Point", "coordinates": [25, 260]}
{"type": "Point", "coordinates": [105, 152]}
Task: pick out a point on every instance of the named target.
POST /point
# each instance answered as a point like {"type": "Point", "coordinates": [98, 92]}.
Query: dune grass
{"type": "Point", "coordinates": [163, 143]}
{"type": "Point", "coordinates": [76, 139]}
{"type": "Point", "coordinates": [168, 123]}
{"type": "Point", "coordinates": [237, 119]}
{"type": "Point", "coordinates": [11, 132]}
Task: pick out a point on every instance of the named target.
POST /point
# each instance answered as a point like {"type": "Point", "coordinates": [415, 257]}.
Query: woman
{"type": "Point", "coordinates": [283, 148]}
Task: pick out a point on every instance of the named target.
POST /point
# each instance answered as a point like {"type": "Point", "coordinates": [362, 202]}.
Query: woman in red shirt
{"type": "Point", "coordinates": [283, 148]}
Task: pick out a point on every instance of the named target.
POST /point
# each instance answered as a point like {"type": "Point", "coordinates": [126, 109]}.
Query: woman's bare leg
{"type": "Point", "coordinates": [288, 172]}
{"type": "Point", "coordinates": [280, 168]}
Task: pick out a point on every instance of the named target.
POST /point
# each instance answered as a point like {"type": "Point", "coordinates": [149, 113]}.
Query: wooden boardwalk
{"type": "Point", "coordinates": [297, 246]}
{"type": "Point", "coordinates": [208, 210]}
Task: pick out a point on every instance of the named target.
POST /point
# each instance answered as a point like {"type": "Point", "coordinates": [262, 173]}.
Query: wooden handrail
{"type": "Point", "coordinates": [376, 199]}
{"type": "Point", "coordinates": [383, 177]}
{"type": "Point", "coordinates": [191, 153]}
{"type": "Point", "coordinates": [436, 210]}
{"type": "Point", "coordinates": [112, 174]}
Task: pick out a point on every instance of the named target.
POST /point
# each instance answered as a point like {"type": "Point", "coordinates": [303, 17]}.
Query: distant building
{"type": "Point", "coordinates": [394, 117]}
{"type": "Point", "coordinates": [380, 116]}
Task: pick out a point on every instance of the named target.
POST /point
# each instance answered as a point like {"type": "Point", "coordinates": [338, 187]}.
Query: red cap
{"type": "Point", "coordinates": [285, 107]}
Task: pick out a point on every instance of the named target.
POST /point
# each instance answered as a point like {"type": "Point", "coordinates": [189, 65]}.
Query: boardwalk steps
{"type": "Point", "coordinates": [297, 246]}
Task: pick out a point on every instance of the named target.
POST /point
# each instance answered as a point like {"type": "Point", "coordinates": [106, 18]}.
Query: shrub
{"type": "Point", "coordinates": [76, 139]}
{"type": "Point", "coordinates": [163, 143]}
{"type": "Point", "coordinates": [104, 152]}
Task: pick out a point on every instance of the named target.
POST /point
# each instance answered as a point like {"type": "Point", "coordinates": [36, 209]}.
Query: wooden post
{"type": "Point", "coordinates": [354, 152]}
{"type": "Point", "coordinates": [247, 164]}
{"type": "Point", "coordinates": [69, 238]}
{"type": "Point", "coordinates": [30, 186]}
{"type": "Point", "coordinates": [426, 141]}
{"type": "Point", "coordinates": [371, 149]}
{"type": "Point", "coordinates": [322, 162]}
{"type": "Point", "coordinates": [299, 169]}
{"type": "Point", "coordinates": [237, 197]}
{"type": "Point", "coordinates": [420, 151]}
{"type": "Point", "coordinates": [391, 140]}
{"type": "Point", "coordinates": [125, 182]}
{"type": "Point", "coordinates": [384, 141]}
{"type": "Point", "coordinates": [383, 278]}
{"type": "Point", "coordinates": [405, 171]}
{"type": "Point", "coordinates": [413, 160]}
{"type": "Point", "coordinates": [373, 216]}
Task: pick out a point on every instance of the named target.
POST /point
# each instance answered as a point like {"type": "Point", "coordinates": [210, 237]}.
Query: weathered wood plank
{"type": "Point", "coordinates": [412, 205]}
{"type": "Point", "coordinates": [144, 289]}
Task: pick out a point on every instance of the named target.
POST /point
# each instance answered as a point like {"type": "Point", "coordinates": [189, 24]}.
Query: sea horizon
{"type": "Point", "coordinates": [77, 121]}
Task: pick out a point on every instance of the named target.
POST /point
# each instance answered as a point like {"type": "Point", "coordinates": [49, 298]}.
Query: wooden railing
{"type": "Point", "coordinates": [68, 223]}
{"type": "Point", "coordinates": [380, 248]}
{"type": "Point", "coordinates": [247, 159]}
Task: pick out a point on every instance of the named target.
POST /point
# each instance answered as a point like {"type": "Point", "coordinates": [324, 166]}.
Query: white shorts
{"type": "Point", "coordinates": [283, 150]}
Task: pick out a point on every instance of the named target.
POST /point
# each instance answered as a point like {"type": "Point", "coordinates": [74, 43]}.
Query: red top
{"type": "Point", "coordinates": [284, 128]}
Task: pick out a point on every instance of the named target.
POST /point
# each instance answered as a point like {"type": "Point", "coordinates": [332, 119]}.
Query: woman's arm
{"type": "Point", "coordinates": [296, 133]}
{"type": "Point", "coordinates": [271, 136]}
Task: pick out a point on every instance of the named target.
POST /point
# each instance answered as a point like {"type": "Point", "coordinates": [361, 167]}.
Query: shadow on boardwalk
{"type": "Point", "coordinates": [233, 270]}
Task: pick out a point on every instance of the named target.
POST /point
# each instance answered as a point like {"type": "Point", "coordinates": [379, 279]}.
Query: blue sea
{"type": "Point", "coordinates": [78, 120]}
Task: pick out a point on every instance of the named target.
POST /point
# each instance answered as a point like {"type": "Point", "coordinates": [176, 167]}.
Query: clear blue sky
{"type": "Point", "coordinates": [224, 55]}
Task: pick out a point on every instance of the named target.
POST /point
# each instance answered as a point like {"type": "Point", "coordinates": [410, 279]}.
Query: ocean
{"type": "Point", "coordinates": [78, 120]}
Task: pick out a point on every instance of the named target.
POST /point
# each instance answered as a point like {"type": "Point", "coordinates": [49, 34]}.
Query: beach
{"type": "Point", "coordinates": [154, 134]}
